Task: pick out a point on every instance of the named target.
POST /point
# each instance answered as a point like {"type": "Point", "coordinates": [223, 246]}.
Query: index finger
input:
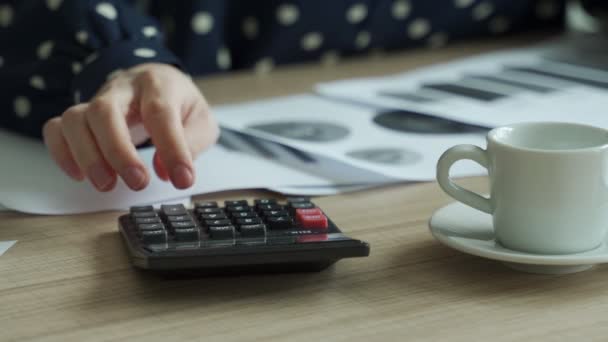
{"type": "Point", "coordinates": [161, 114]}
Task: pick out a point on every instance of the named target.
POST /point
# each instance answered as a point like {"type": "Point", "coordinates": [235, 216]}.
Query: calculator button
{"type": "Point", "coordinates": [179, 218]}
{"type": "Point", "coordinates": [154, 236]}
{"type": "Point", "coordinates": [275, 213]}
{"type": "Point", "coordinates": [264, 201]}
{"type": "Point", "coordinates": [209, 211]}
{"type": "Point", "coordinates": [304, 212]}
{"type": "Point", "coordinates": [253, 230]}
{"type": "Point", "coordinates": [150, 226]}
{"type": "Point", "coordinates": [210, 204]}
{"type": "Point", "coordinates": [221, 232]}
{"type": "Point", "coordinates": [137, 214]}
{"type": "Point", "coordinates": [218, 216]}
{"type": "Point", "coordinates": [303, 205]}
{"type": "Point", "coordinates": [244, 214]}
{"type": "Point", "coordinates": [238, 208]}
{"type": "Point", "coordinates": [213, 216]}
{"type": "Point", "coordinates": [173, 209]}
{"type": "Point", "coordinates": [269, 207]}
{"type": "Point", "coordinates": [236, 203]}
{"type": "Point", "coordinates": [279, 223]}
{"type": "Point", "coordinates": [313, 221]}
{"type": "Point", "coordinates": [252, 220]}
{"type": "Point", "coordinates": [182, 224]}
{"type": "Point", "coordinates": [220, 222]}
{"type": "Point", "coordinates": [186, 234]}
{"type": "Point", "coordinates": [140, 208]}
{"type": "Point", "coordinates": [140, 220]}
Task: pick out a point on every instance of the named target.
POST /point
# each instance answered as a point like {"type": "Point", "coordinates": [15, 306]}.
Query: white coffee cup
{"type": "Point", "coordinates": [549, 185]}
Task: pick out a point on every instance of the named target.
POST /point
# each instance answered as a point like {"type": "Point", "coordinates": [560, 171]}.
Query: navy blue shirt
{"type": "Point", "coordinates": [56, 53]}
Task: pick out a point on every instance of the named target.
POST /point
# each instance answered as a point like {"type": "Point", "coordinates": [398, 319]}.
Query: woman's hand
{"type": "Point", "coordinates": [96, 140]}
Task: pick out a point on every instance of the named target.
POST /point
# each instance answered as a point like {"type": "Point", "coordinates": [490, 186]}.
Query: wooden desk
{"type": "Point", "coordinates": [69, 279]}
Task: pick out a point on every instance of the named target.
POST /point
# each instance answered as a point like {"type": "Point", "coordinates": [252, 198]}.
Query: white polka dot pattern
{"type": "Point", "coordinates": [6, 15]}
{"type": "Point", "coordinates": [202, 23]}
{"type": "Point", "coordinates": [463, 3]}
{"type": "Point", "coordinates": [144, 53]}
{"type": "Point", "coordinates": [22, 106]}
{"type": "Point", "coordinates": [482, 11]}
{"type": "Point", "coordinates": [418, 28]}
{"type": "Point", "coordinates": [53, 5]}
{"type": "Point", "coordinates": [45, 49]}
{"type": "Point", "coordinates": [37, 82]}
{"type": "Point", "coordinates": [205, 38]}
{"type": "Point", "coordinates": [76, 67]}
{"type": "Point", "coordinates": [82, 36]}
{"type": "Point", "coordinates": [356, 13]}
{"type": "Point", "coordinates": [149, 31]}
{"type": "Point", "coordinates": [106, 10]}
{"type": "Point", "coordinates": [401, 9]}
{"type": "Point", "coordinates": [311, 41]}
{"type": "Point", "coordinates": [223, 59]}
{"type": "Point", "coordinates": [287, 14]}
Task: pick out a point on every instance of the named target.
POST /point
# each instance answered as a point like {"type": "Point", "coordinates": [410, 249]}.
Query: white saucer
{"type": "Point", "coordinates": [470, 231]}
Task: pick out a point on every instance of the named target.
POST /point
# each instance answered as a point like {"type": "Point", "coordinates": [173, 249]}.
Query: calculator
{"type": "Point", "coordinates": [263, 236]}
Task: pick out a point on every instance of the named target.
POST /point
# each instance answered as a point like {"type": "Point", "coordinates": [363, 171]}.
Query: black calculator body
{"type": "Point", "coordinates": [263, 236]}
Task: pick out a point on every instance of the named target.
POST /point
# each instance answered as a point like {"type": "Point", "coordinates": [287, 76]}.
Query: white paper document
{"type": "Point", "coordinates": [5, 245]}
{"type": "Point", "coordinates": [564, 81]}
{"type": "Point", "coordinates": [395, 146]}
{"type": "Point", "coordinates": [31, 182]}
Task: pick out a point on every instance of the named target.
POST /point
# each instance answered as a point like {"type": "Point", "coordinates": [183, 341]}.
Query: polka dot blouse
{"type": "Point", "coordinates": [54, 53]}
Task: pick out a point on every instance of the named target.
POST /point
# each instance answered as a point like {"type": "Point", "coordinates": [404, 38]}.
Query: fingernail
{"type": "Point", "coordinates": [71, 169]}
{"type": "Point", "coordinates": [181, 176]}
{"type": "Point", "coordinates": [100, 177]}
{"type": "Point", "coordinates": [135, 177]}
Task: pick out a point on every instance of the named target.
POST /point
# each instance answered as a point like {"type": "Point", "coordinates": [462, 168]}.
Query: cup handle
{"type": "Point", "coordinates": [447, 159]}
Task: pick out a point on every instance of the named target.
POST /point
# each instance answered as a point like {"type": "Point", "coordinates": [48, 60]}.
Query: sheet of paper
{"type": "Point", "coordinates": [30, 182]}
{"type": "Point", "coordinates": [558, 81]}
{"type": "Point", "coordinates": [327, 190]}
{"type": "Point", "coordinates": [5, 245]}
{"type": "Point", "coordinates": [366, 138]}
{"type": "Point", "coordinates": [342, 175]}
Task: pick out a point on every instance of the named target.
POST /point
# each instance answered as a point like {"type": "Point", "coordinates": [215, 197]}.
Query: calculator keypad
{"type": "Point", "coordinates": [264, 235]}
{"type": "Point", "coordinates": [236, 222]}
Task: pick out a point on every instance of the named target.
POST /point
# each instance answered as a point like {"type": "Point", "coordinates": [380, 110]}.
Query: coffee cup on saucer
{"type": "Point", "coordinates": [549, 185]}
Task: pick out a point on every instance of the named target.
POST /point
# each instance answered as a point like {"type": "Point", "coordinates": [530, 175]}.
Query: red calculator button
{"type": "Point", "coordinates": [313, 221]}
{"type": "Point", "coordinates": [307, 212]}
